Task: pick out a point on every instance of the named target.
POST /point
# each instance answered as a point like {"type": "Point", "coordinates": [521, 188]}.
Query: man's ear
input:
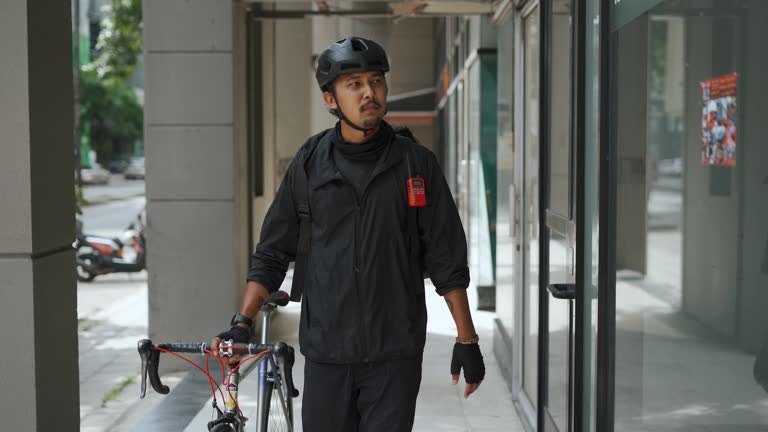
{"type": "Point", "coordinates": [330, 100]}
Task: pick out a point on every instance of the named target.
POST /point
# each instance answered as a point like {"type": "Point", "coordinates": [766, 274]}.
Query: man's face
{"type": "Point", "coordinates": [362, 97]}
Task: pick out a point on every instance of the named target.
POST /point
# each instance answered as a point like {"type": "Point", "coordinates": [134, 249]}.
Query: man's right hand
{"type": "Point", "coordinates": [238, 334]}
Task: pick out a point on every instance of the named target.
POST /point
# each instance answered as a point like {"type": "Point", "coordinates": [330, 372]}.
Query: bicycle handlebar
{"type": "Point", "coordinates": [150, 359]}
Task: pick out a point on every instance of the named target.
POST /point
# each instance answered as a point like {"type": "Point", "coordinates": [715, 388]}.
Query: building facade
{"type": "Point", "coordinates": [631, 263]}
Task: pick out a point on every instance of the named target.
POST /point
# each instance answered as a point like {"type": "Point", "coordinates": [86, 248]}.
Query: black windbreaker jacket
{"type": "Point", "coordinates": [364, 291]}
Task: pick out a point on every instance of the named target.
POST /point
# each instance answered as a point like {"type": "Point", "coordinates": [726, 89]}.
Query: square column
{"type": "Point", "coordinates": [195, 254]}
{"type": "Point", "coordinates": [38, 310]}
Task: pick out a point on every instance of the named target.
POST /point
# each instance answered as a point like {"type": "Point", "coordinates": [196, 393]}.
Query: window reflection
{"type": "Point", "coordinates": [690, 291]}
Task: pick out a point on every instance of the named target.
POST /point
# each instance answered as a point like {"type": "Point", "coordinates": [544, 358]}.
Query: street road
{"type": "Point", "coordinates": [111, 218]}
{"type": "Point", "coordinates": [118, 187]}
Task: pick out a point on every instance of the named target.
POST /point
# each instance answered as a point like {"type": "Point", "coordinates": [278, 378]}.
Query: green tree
{"type": "Point", "coordinates": [120, 40]}
{"type": "Point", "coordinates": [113, 112]}
{"type": "Point", "coordinates": [110, 112]}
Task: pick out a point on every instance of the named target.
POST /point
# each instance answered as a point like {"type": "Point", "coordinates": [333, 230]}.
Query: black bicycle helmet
{"type": "Point", "coordinates": [352, 54]}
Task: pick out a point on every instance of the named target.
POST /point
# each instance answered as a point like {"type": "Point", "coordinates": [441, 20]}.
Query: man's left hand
{"type": "Point", "coordinates": [468, 357]}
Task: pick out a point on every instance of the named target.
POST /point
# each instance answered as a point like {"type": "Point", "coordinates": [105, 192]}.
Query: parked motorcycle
{"type": "Point", "coordinates": [98, 255]}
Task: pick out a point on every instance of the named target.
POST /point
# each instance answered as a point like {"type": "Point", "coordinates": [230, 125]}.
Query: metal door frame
{"type": "Point", "coordinates": [525, 405]}
{"type": "Point", "coordinates": [579, 379]}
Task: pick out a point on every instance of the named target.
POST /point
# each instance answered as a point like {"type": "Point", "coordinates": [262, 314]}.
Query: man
{"type": "Point", "coordinates": [363, 315]}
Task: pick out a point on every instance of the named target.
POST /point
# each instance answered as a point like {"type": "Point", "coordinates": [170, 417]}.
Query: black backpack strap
{"type": "Point", "coordinates": [416, 168]}
{"type": "Point", "coordinates": [301, 200]}
{"type": "Point", "coordinates": [300, 191]}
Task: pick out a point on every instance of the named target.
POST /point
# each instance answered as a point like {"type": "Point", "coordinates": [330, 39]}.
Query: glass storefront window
{"type": "Point", "coordinates": [531, 206]}
{"type": "Point", "coordinates": [592, 137]}
{"type": "Point", "coordinates": [481, 94]}
{"type": "Point", "coordinates": [506, 224]}
{"type": "Point", "coordinates": [688, 100]}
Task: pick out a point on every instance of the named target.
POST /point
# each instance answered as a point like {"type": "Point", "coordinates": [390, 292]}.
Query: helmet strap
{"type": "Point", "coordinates": [366, 131]}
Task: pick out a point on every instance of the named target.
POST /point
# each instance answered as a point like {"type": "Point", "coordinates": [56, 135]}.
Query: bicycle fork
{"type": "Point", "coordinates": [265, 382]}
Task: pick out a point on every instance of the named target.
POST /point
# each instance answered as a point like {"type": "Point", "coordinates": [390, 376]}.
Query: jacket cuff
{"type": "Point", "coordinates": [459, 281]}
{"type": "Point", "coordinates": [271, 287]}
{"type": "Point", "coordinates": [443, 291]}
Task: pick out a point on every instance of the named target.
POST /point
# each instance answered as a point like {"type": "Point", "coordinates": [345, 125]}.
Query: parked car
{"type": "Point", "coordinates": [135, 169]}
{"type": "Point", "coordinates": [117, 166]}
{"type": "Point", "coordinates": [94, 174]}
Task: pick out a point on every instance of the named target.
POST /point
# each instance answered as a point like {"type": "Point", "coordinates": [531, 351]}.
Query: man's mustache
{"type": "Point", "coordinates": [370, 104]}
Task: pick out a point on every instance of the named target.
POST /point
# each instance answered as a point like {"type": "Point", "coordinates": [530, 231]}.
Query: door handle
{"type": "Point", "coordinates": [565, 291]}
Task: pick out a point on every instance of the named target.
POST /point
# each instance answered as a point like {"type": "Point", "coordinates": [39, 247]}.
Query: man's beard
{"type": "Point", "coordinates": [372, 123]}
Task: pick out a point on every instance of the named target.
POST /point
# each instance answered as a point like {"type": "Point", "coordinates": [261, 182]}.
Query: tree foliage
{"type": "Point", "coordinates": [110, 112]}
{"type": "Point", "coordinates": [120, 40]}
{"type": "Point", "coordinates": [113, 112]}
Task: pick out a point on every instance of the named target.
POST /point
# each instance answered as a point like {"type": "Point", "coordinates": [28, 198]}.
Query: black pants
{"type": "Point", "coordinates": [362, 397]}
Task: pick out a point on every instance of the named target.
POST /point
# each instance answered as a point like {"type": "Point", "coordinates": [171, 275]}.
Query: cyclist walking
{"type": "Point", "coordinates": [365, 212]}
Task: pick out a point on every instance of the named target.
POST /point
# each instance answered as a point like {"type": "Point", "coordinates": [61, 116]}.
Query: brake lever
{"type": "Point", "coordinates": [145, 348]}
{"type": "Point", "coordinates": [150, 360]}
{"type": "Point", "coordinates": [289, 358]}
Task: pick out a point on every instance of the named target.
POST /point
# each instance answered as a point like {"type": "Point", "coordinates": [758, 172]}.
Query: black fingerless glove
{"type": "Point", "coordinates": [468, 356]}
{"type": "Point", "coordinates": [237, 334]}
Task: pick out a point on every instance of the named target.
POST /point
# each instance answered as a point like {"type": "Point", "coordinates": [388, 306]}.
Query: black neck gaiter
{"type": "Point", "coordinates": [357, 161]}
{"type": "Point", "coordinates": [369, 150]}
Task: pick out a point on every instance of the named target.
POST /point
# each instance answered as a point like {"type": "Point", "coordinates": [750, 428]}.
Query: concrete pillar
{"type": "Point", "coordinates": [195, 256]}
{"type": "Point", "coordinates": [711, 218]}
{"type": "Point", "coordinates": [38, 311]}
{"type": "Point", "coordinates": [287, 85]}
{"type": "Point", "coordinates": [633, 180]}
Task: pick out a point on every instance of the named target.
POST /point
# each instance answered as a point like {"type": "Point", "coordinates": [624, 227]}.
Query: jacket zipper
{"type": "Point", "coordinates": [356, 270]}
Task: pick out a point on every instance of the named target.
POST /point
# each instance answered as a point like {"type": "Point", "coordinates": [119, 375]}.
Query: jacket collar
{"type": "Point", "coordinates": [323, 169]}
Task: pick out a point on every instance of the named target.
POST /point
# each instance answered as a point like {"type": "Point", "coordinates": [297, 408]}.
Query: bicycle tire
{"type": "Point", "coordinates": [223, 428]}
{"type": "Point", "coordinates": [280, 417]}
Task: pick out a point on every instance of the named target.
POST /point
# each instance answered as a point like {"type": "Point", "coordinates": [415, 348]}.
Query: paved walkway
{"type": "Point", "coordinates": [112, 317]}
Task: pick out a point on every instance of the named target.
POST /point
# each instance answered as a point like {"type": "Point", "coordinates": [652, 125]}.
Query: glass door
{"type": "Point", "coordinates": [526, 199]}
{"type": "Point", "coordinates": [553, 206]}
{"type": "Point", "coordinates": [569, 262]}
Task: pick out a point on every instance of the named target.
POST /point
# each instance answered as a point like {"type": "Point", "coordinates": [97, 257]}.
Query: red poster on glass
{"type": "Point", "coordinates": [718, 121]}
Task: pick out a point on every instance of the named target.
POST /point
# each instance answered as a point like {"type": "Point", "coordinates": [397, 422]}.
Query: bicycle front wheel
{"type": "Point", "coordinates": [280, 418]}
{"type": "Point", "coordinates": [223, 428]}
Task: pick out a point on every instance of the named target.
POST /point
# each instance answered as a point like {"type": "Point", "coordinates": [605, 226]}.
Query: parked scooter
{"type": "Point", "coordinates": [97, 255]}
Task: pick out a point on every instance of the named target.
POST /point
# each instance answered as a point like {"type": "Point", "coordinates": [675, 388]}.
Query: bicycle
{"type": "Point", "coordinates": [275, 376]}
